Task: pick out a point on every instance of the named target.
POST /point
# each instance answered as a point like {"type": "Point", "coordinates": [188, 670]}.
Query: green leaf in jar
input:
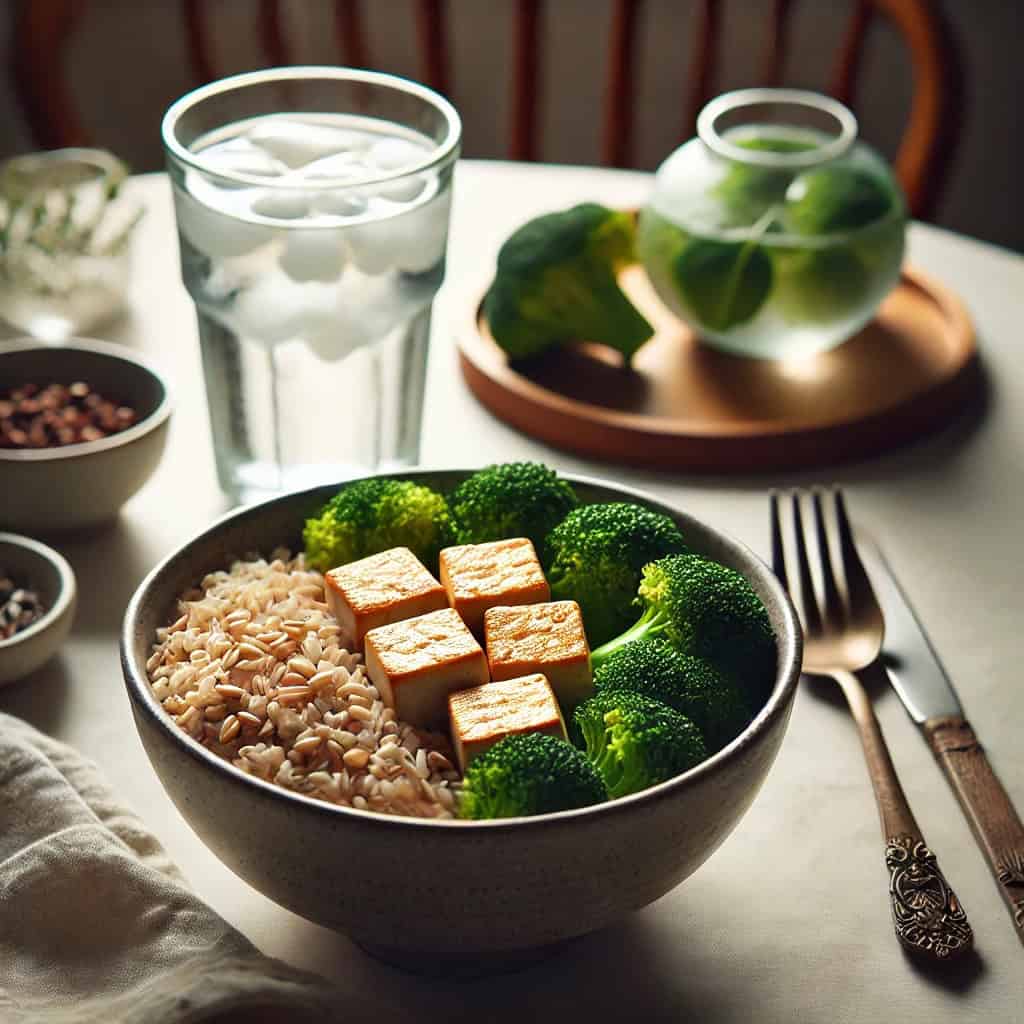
{"type": "Point", "coordinates": [746, 191]}
{"type": "Point", "coordinates": [820, 285]}
{"type": "Point", "coordinates": [833, 199]}
{"type": "Point", "coordinates": [723, 283]}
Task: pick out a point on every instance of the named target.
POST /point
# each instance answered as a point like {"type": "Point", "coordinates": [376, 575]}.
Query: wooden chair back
{"type": "Point", "coordinates": [43, 28]}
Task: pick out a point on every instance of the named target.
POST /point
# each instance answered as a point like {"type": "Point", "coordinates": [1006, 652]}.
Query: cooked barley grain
{"type": "Point", "coordinates": [252, 669]}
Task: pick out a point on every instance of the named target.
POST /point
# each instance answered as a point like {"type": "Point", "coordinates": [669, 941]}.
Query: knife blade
{"type": "Point", "coordinates": [927, 693]}
{"type": "Point", "coordinates": [915, 670]}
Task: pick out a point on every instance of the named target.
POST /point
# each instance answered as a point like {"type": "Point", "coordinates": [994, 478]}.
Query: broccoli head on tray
{"type": "Point", "coordinates": [556, 283]}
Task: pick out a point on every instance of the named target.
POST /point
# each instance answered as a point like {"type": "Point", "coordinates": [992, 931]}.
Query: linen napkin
{"type": "Point", "coordinates": [97, 924]}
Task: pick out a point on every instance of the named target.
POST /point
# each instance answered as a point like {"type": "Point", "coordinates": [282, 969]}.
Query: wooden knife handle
{"type": "Point", "coordinates": [992, 817]}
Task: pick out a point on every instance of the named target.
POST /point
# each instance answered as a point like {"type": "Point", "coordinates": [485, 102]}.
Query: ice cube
{"type": "Point", "coordinates": [298, 143]}
{"type": "Point", "coordinates": [413, 241]}
{"type": "Point", "coordinates": [313, 255]}
{"type": "Point", "coordinates": [376, 246]}
{"type": "Point", "coordinates": [216, 234]}
{"type": "Point", "coordinates": [335, 341]}
{"type": "Point", "coordinates": [395, 154]}
{"type": "Point", "coordinates": [405, 190]}
{"type": "Point", "coordinates": [348, 166]}
{"type": "Point", "coordinates": [339, 203]}
{"type": "Point", "coordinates": [368, 309]}
{"type": "Point", "coordinates": [281, 205]}
{"type": "Point", "coordinates": [426, 226]}
{"type": "Point", "coordinates": [275, 309]}
{"type": "Point", "coordinates": [242, 157]}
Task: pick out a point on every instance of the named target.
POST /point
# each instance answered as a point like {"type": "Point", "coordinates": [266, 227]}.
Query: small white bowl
{"type": "Point", "coordinates": [82, 485]}
{"type": "Point", "coordinates": [47, 573]}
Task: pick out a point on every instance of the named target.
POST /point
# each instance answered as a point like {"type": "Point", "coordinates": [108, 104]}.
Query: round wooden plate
{"type": "Point", "coordinates": [684, 405]}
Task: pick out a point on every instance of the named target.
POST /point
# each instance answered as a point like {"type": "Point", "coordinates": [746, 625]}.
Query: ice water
{"type": "Point", "coordinates": [313, 286]}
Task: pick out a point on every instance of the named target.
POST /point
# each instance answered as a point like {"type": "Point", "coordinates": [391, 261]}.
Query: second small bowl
{"type": "Point", "coordinates": [81, 485]}
{"type": "Point", "coordinates": [39, 568]}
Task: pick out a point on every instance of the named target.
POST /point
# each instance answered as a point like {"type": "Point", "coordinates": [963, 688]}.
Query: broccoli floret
{"type": "Point", "coordinates": [376, 514]}
{"type": "Point", "coordinates": [635, 742]}
{"type": "Point", "coordinates": [556, 283]}
{"type": "Point", "coordinates": [595, 555]}
{"type": "Point", "coordinates": [513, 499]}
{"type": "Point", "coordinates": [529, 773]}
{"type": "Point", "coordinates": [710, 611]}
{"type": "Point", "coordinates": [690, 685]}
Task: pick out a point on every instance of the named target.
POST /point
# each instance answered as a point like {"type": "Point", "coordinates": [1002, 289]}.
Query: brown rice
{"type": "Point", "coordinates": [253, 669]}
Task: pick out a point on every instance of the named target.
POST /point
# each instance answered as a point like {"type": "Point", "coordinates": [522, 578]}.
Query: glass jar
{"type": "Point", "coordinates": [64, 241]}
{"type": "Point", "coordinates": [774, 233]}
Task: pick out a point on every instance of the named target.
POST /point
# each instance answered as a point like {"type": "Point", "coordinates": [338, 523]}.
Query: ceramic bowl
{"type": "Point", "coordinates": [426, 893]}
{"type": "Point", "coordinates": [82, 485]}
{"type": "Point", "coordinates": [49, 575]}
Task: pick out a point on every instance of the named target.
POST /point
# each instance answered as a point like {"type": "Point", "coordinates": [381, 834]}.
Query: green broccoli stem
{"type": "Point", "coordinates": [651, 624]}
{"type": "Point", "coordinates": [489, 801]}
{"type": "Point", "coordinates": [615, 756]}
{"type": "Point", "coordinates": [630, 774]}
{"type": "Point", "coordinates": [623, 327]}
{"type": "Point", "coordinates": [603, 756]}
{"type": "Point", "coordinates": [609, 767]}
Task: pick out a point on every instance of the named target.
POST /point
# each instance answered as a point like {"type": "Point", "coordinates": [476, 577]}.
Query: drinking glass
{"type": "Point", "coordinates": [65, 232]}
{"type": "Point", "coordinates": [312, 208]}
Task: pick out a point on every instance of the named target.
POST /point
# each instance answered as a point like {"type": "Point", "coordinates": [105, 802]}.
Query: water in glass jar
{"type": "Point", "coordinates": [313, 294]}
{"type": "Point", "coordinates": [773, 262]}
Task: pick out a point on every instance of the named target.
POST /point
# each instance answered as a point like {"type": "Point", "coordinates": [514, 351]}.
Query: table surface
{"type": "Point", "coordinates": [789, 920]}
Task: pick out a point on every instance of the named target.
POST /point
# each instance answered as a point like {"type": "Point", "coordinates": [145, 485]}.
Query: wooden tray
{"type": "Point", "coordinates": [687, 406]}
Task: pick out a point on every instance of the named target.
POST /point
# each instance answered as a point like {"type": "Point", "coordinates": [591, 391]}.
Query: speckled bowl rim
{"type": "Point", "coordinates": [65, 592]}
{"type": "Point", "coordinates": [146, 425]}
{"type": "Point", "coordinates": [790, 643]}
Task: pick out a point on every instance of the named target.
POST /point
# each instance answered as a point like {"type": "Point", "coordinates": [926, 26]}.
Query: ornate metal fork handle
{"type": "Point", "coordinates": [926, 912]}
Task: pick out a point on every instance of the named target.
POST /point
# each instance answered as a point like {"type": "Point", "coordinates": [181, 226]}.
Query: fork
{"type": "Point", "coordinates": [843, 633]}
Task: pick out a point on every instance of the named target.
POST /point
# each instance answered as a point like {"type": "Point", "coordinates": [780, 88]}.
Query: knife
{"type": "Point", "coordinates": [927, 694]}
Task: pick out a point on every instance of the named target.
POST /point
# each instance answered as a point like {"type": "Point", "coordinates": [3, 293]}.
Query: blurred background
{"type": "Point", "coordinates": [532, 80]}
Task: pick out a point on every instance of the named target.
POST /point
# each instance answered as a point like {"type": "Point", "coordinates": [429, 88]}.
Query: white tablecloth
{"type": "Point", "coordinates": [789, 921]}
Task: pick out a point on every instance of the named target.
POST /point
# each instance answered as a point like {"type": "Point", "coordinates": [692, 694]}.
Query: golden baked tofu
{"type": "Point", "coordinates": [482, 576]}
{"type": "Point", "coordinates": [546, 638]}
{"type": "Point", "coordinates": [384, 588]}
{"type": "Point", "coordinates": [485, 714]}
{"type": "Point", "coordinates": [416, 663]}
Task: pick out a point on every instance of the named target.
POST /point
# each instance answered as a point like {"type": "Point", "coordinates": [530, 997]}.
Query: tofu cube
{"type": "Point", "coordinates": [482, 576]}
{"type": "Point", "coordinates": [485, 714]}
{"type": "Point", "coordinates": [376, 591]}
{"type": "Point", "coordinates": [416, 663]}
{"type": "Point", "coordinates": [546, 638]}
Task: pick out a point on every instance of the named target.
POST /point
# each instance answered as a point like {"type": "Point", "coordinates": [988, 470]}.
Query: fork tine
{"type": "Point", "coordinates": [835, 614]}
{"type": "Point", "coordinates": [858, 586]}
{"type": "Point", "coordinates": [812, 616]}
{"type": "Point", "coordinates": [778, 554]}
